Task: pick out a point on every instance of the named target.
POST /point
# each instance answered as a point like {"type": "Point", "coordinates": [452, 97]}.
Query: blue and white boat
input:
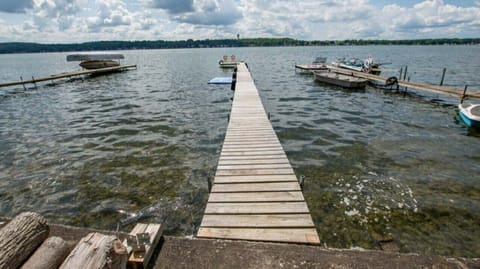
{"type": "Point", "coordinates": [470, 114]}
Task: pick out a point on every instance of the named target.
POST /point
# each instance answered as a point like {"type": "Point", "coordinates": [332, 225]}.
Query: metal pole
{"type": "Point", "coordinates": [443, 76]}
{"type": "Point", "coordinates": [405, 74]}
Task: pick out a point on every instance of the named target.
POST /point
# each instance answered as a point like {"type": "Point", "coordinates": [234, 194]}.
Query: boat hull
{"type": "Point", "coordinates": [341, 80]}
{"type": "Point", "coordinates": [97, 64]}
{"type": "Point", "coordinates": [470, 114]}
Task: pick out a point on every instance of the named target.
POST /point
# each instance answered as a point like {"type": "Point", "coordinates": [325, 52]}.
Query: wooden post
{"type": "Point", "coordinates": [20, 238]}
{"type": "Point", "coordinates": [34, 84]}
{"type": "Point", "coordinates": [23, 84]}
{"type": "Point", "coordinates": [399, 77]}
{"type": "Point", "coordinates": [97, 251]}
{"type": "Point", "coordinates": [405, 74]}
{"type": "Point", "coordinates": [209, 184]}
{"type": "Point", "coordinates": [443, 76]}
{"type": "Point", "coordinates": [49, 255]}
{"type": "Point", "coordinates": [464, 94]}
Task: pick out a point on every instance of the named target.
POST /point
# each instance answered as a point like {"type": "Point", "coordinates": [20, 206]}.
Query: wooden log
{"type": "Point", "coordinates": [49, 255]}
{"type": "Point", "coordinates": [20, 238]}
{"type": "Point", "coordinates": [97, 251]}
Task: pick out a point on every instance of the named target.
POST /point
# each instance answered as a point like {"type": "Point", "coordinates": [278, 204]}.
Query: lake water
{"type": "Point", "coordinates": [383, 169]}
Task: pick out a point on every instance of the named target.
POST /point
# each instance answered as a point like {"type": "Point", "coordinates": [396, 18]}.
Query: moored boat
{"type": "Point", "coordinates": [355, 64]}
{"type": "Point", "coordinates": [317, 64]}
{"type": "Point", "coordinates": [96, 60]}
{"type": "Point", "coordinates": [340, 80]}
{"type": "Point", "coordinates": [470, 114]}
{"type": "Point", "coordinates": [228, 63]}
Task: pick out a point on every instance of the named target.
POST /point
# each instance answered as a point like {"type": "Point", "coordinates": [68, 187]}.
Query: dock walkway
{"type": "Point", "coordinates": [70, 74]}
{"type": "Point", "coordinates": [455, 92]}
{"type": "Point", "coordinates": [255, 193]}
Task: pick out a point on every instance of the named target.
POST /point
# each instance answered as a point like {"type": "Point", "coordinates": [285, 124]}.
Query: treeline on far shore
{"type": "Point", "coordinates": [22, 47]}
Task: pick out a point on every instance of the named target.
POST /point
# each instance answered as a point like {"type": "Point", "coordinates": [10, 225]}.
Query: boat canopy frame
{"type": "Point", "coordinates": [93, 57]}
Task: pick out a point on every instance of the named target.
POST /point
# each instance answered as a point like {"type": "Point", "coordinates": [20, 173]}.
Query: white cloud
{"type": "Point", "coordinates": [211, 12]}
{"type": "Point", "coordinates": [87, 20]}
{"type": "Point", "coordinates": [109, 13]}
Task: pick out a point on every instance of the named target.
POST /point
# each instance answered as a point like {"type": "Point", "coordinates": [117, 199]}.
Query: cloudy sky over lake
{"type": "Point", "coordinates": [65, 21]}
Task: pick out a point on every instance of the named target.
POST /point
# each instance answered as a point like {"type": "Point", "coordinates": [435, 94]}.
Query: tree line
{"type": "Point", "coordinates": [23, 47]}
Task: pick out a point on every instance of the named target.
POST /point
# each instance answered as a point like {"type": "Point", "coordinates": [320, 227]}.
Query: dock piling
{"type": "Point", "coordinates": [405, 73]}
{"type": "Point", "coordinates": [443, 76]}
{"type": "Point", "coordinates": [23, 84]}
{"type": "Point", "coordinates": [34, 84]}
{"type": "Point", "coordinates": [464, 94]}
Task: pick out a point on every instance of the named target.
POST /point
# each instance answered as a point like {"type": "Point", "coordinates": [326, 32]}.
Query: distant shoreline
{"type": "Point", "coordinates": [25, 47]}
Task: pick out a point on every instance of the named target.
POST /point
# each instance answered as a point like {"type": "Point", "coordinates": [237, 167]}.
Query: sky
{"type": "Point", "coordinates": [73, 21]}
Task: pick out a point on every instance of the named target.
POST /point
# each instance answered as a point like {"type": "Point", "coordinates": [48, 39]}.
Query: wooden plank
{"type": "Point", "coordinates": [279, 171]}
{"type": "Point", "coordinates": [288, 235]}
{"type": "Point", "coordinates": [258, 179]}
{"type": "Point", "coordinates": [279, 160]}
{"type": "Point", "coordinates": [251, 149]}
{"type": "Point", "coordinates": [252, 153]}
{"type": "Point", "coordinates": [257, 157]}
{"type": "Point", "coordinates": [253, 166]}
{"type": "Point", "coordinates": [141, 257]}
{"type": "Point", "coordinates": [257, 208]}
{"type": "Point", "coordinates": [286, 196]}
{"type": "Point", "coordinates": [258, 221]}
{"type": "Point", "coordinates": [251, 144]}
{"type": "Point", "coordinates": [256, 187]}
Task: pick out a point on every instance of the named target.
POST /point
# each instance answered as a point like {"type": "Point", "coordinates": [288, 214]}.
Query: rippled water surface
{"type": "Point", "coordinates": [384, 170]}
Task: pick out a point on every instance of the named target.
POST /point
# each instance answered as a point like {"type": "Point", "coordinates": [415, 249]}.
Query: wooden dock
{"type": "Point", "coordinates": [70, 74]}
{"type": "Point", "coordinates": [456, 92]}
{"type": "Point", "coordinates": [255, 193]}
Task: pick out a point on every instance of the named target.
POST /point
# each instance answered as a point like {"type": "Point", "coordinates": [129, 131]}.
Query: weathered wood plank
{"type": "Point", "coordinates": [257, 208]}
{"type": "Point", "coordinates": [258, 221]}
{"type": "Point", "coordinates": [252, 153]}
{"type": "Point", "coordinates": [252, 149]}
{"type": "Point", "coordinates": [254, 166]}
{"type": "Point", "coordinates": [141, 257]}
{"type": "Point", "coordinates": [236, 172]}
{"type": "Point", "coordinates": [289, 235]}
{"type": "Point", "coordinates": [286, 196]}
{"type": "Point", "coordinates": [255, 178]}
{"type": "Point", "coordinates": [256, 187]}
{"type": "Point", "coordinates": [280, 160]}
{"type": "Point", "coordinates": [257, 157]}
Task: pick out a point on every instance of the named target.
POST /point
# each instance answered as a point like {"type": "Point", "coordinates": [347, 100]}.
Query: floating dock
{"type": "Point", "coordinates": [403, 83]}
{"type": "Point", "coordinates": [255, 193]}
{"type": "Point", "coordinates": [71, 74]}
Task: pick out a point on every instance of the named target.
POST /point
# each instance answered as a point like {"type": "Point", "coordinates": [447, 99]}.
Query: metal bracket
{"type": "Point", "coordinates": [139, 241]}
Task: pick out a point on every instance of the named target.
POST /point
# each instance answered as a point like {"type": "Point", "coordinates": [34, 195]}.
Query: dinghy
{"type": "Point", "coordinates": [470, 114]}
{"type": "Point", "coordinates": [340, 80]}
